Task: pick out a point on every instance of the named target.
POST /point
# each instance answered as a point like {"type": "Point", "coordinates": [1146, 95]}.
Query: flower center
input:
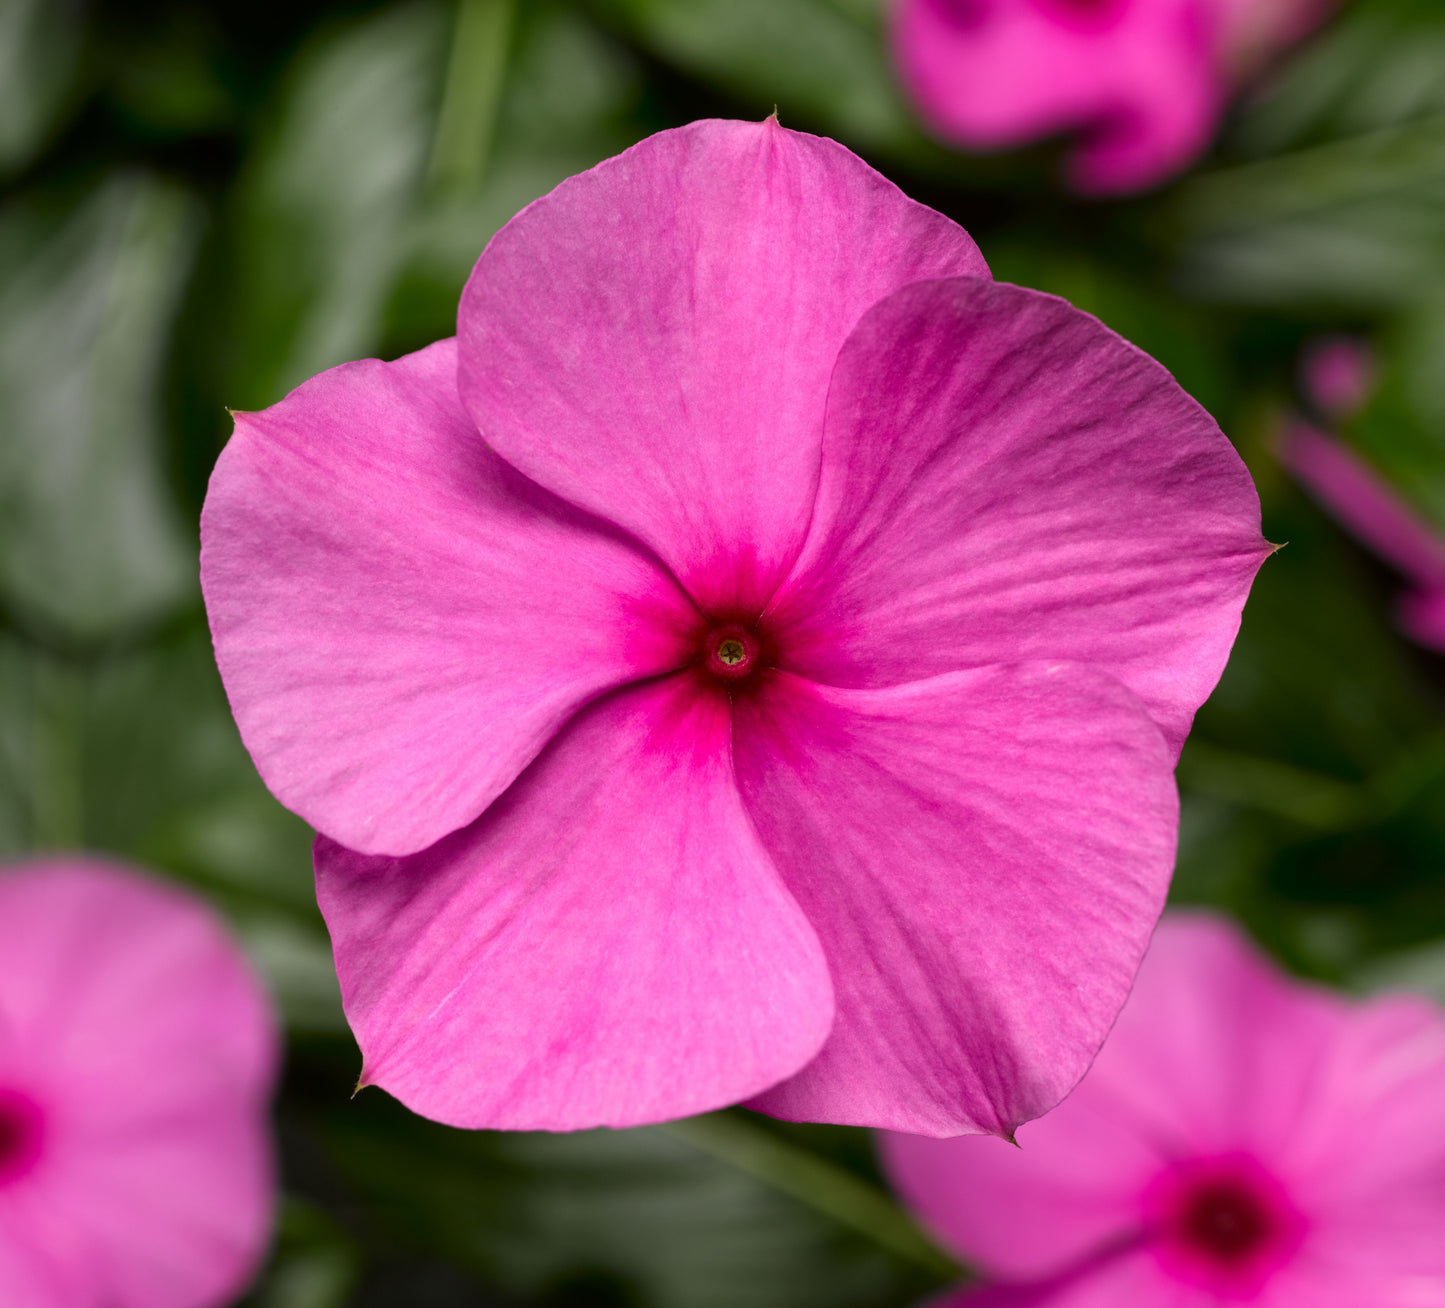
{"type": "Point", "coordinates": [22, 1128]}
{"type": "Point", "coordinates": [1224, 1223]}
{"type": "Point", "coordinates": [731, 652]}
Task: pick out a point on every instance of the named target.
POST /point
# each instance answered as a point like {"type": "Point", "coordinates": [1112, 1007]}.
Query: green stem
{"type": "Point", "coordinates": [823, 1186]}
{"type": "Point", "coordinates": [1273, 787]}
{"type": "Point", "coordinates": [470, 99]}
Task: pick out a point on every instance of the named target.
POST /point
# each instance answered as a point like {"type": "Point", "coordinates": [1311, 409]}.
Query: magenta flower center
{"type": "Point", "coordinates": [1225, 1221]}
{"type": "Point", "coordinates": [22, 1129]}
{"type": "Point", "coordinates": [1225, 1224]}
{"type": "Point", "coordinates": [732, 652]}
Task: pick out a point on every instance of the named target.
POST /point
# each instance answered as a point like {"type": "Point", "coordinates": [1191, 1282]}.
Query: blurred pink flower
{"type": "Point", "coordinates": [1337, 374]}
{"type": "Point", "coordinates": [1143, 82]}
{"type": "Point", "coordinates": [1368, 507]}
{"type": "Point", "coordinates": [747, 664]}
{"type": "Point", "coordinates": [137, 1055]}
{"type": "Point", "coordinates": [1241, 1138]}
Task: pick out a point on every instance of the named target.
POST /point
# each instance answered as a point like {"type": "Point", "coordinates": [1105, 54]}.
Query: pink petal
{"type": "Point", "coordinates": [1216, 1053]}
{"type": "Point", "coordinates": [1141, 80]}
{"type": "Point", "coordinates": [608, 945]}
{"type": "Point", "coordinates": [400, 619]}
{"type": "Point", "coordinates": [1365, 504]}
{"type": "Point", "coordinates": [136, 1025]}
{"type": "Point", "coordinates": [1004, 479]}
{"type": "Point", "coordinates": [1131, 1281]}
{"type": "Point", "coordinates": [983, 855]}
{"type": "Point", "coordinates": [168, 1213]}
{"type": "Point", "coordinates": [1422, 617]}
{"type": "Point", "coordinates": [1368, 1148]}
{"type": "Point", "coordinates": [1031, 1210]}
{"type": "Point", "coordinates": [653, 340]}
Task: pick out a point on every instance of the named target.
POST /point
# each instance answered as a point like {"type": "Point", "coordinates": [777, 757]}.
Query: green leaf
{"type": "Point", "coordinates": [323, 219]}
{"type": "Point", "coordinates": [824, 64]}
{"type": "Point", "coordinates": [39, 48]}
{"type": "Point", "coordinates": [672, 1225]}
{"type": "Point", "coordinates": [90, 541]}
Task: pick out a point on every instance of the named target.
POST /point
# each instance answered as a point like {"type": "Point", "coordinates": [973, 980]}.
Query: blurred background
{"type": "Point", "coordinates": [203, 203]}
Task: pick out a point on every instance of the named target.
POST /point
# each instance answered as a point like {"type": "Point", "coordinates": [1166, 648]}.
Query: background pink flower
{"type": "Point", "coordinates": [1337, 374]}
{"type": "Point", "coordinates": [1242, 1138]}
{"type": "Point", "coordinates": [1373, 511]}
{"type": "Point", "coordinates": [1144, 82]}
{"type": "Point", "coordinates": [747, 664]}
{"type": "Point", "coordinates": [137, 1056]}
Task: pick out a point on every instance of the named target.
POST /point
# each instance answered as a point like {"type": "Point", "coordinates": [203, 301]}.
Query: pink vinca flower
{"type": "Point", "coordinates": [1143, 81]}
{"type": "Point", "coordinates": [746, 664]}
{"type": "Point", "coordinates": [137, 1055]}
{"type": "Point", "coordinates": [1242, 1138]}
{"type": "Point", "coordinates": [1337, 375]}
{"type": "Point", "coordinates": [1373, 511]}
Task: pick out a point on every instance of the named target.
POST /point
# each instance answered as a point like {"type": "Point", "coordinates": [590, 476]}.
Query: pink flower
{"type": "Point", "coordinates": [137, 1054]}
{"type": "Point", "coordinates": [1337, 374]}
{"type": "Point", "coordinates": [1143, 81]}
{"type": "Point", "coordinates": [1242, 1138]}
{"type": "Point", "coordinates": [1370, 508]}
{"type": "Point", "coordinates": [747, 664]}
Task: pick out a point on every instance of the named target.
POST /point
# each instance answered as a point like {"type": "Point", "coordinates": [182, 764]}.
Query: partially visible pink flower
{"type": "Point", "coordinates": [1337, 374]}
{"type": "Point", "coordinates": [1373, 511]}
{"type": "Point", "coordinates": [748, 663]}
{"type": "Point", "coordinates": [1241, 1138]}
{"type": "Point", "coordinates": [137, 1055]}
{"type": "Point", "coordinates": [1143, 82]}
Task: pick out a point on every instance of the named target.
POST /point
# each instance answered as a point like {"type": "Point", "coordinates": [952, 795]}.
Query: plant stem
{"type": "Point", "coordinates": [470, 99]}
{"type": "Point", "coordinates": [822, 1185]}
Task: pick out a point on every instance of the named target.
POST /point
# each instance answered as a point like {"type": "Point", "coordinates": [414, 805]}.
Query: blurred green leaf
{"type": "Point", "coordinates": [136, 754]}
{"type": "Point", "coordinates": [314, 1265]}
{"type": "Point", "coordinates": [824, 64]}
{"type": "Point", "coordinates": [90, 541]}
{"type": "Point", "coordinates": [1377, 65]}
{"type": "Point", "coordinates": [673, 1225]}
{"type": "Point", "coordinates": [481, 35]}
{"type": "Point", "coordinates": [39, 52]}
{"type": "Point", "coordinates": [323, 219]}
{"type": "Point", "coordinates": [568, 100]}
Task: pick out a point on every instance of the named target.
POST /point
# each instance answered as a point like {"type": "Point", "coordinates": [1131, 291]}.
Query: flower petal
{"type": "Point", "coordinates": [1033, 1210]}
{"type": "Point", "coordinates": [653, 339]}
{"type": "Point", "coordinates": [401, 620]}
{"type": "Point", "coordinates": [1131, 1280]}
{"type": "Point", "coordinates": [1005, 479]}
{"type": "Point", "coordinates": [1141, 80]}
{"type": "Point", "coordinates": [983, 855]}
{"type": "Point", "coordinates": [138, 1028]}
{"type": "Point", "coordinates": [107, 976]}
{"type": "Point", "coordinates": [1211, 1056]}
{"type": "Point", "coordinates": [1365, 503]}
{"type": "Point", "coordinates": [608, 945]}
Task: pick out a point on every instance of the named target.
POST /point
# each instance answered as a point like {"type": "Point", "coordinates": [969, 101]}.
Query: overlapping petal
{"type": "Point", "coordinates": [608, 945]}
{"type": "Point", "coordinates": [1180, 1075]}
{"type": "Point", "coordinates": [653, 340]}
{"type": "Point", "coordinates": [1004, 478]}
{"type": "Point", "coordinates": [983, 855]}
{"type": "Point", "coordinates": [1141, 81]}
{"type": "Point", "coordinates": [402, 621]}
